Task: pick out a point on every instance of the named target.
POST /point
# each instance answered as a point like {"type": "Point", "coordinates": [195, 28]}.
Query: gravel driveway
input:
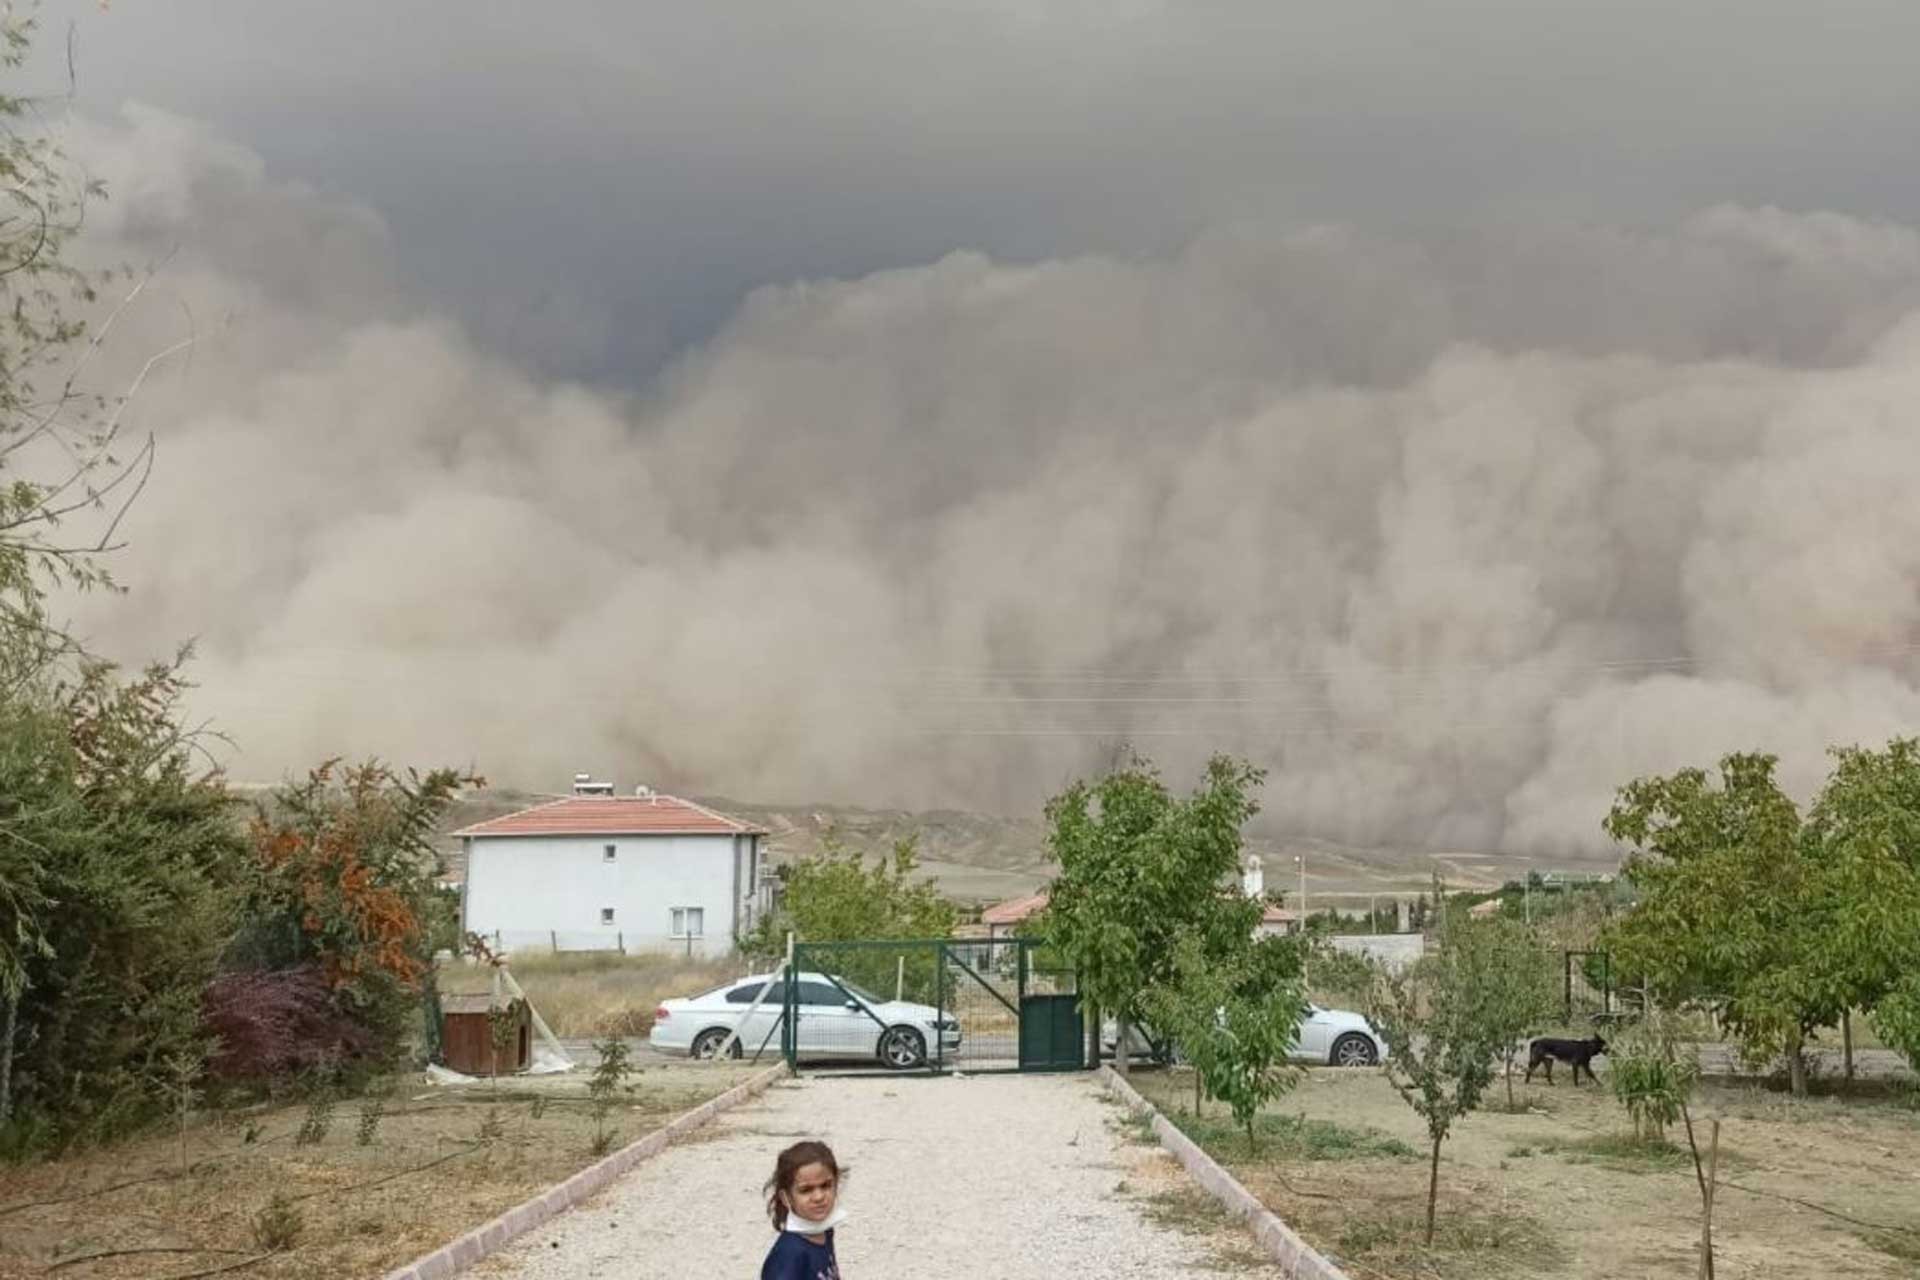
{"type": "Point", "coordinates": [1009, 1177]}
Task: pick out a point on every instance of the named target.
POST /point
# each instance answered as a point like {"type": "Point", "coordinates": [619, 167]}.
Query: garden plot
{"type": "Point", "coordinates": [437, 1161]}
{"type": "Point", "coordinates": [1561, 1187]}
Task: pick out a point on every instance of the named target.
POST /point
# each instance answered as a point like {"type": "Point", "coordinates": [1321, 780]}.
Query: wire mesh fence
{"type": "Point", "coordinates": [936, 1005]}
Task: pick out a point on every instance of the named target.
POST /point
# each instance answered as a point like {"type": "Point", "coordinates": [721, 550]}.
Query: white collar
{"type": "Point", "coordinates": [807, 1227]}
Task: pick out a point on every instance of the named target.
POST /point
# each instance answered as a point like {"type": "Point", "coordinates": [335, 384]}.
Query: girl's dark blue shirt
{"type": "Point", "coordinates": [794, 1257]}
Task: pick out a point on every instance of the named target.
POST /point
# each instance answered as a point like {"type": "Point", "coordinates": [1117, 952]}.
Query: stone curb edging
{"type": "Point", "coordinates": [1300, 1259]}
{"type": "Point", "coordinates": [489, 1237]}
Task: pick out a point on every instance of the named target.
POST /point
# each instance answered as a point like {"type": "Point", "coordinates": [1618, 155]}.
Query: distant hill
{"type": "Point", "coordinates": [976, 857]}
{"type": "Point", "coordinates": [972, 857]}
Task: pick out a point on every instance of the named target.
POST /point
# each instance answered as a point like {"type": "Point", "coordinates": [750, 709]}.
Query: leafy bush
{"type": "Point", "coordinates": [1652, 1076]}
{"type": "Point", "coordinates": [345, 881]}
{"type": "Point", "coordinates": [120, 872]}
{"type": "Point", "coordinates": [277, 1024]}
{"type": "Point", "coordinates": [279, 1224]}
{"type": "Point", "coordinates": [838, 896]}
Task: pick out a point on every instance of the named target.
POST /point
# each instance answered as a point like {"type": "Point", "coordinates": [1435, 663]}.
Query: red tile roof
{"type": "Point", "coordinates": [654, 815]}
{"type": "Point", "coordinates": [1014, 910]}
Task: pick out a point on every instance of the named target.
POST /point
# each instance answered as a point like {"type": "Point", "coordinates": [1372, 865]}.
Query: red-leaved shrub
{"type": "Point", "coordinates": [277, 1023]}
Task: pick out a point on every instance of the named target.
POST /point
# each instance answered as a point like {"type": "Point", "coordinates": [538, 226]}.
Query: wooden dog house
{"type": "Point", "coordinates": [467, 1043]}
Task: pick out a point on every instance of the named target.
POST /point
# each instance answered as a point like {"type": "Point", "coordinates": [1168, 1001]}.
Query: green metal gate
{"type": "Point", "coordinates": [932, 1005]}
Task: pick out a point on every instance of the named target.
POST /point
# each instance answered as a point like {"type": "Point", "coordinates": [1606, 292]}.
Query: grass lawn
{"type": "Point", "coordinates": [1823, 1186]}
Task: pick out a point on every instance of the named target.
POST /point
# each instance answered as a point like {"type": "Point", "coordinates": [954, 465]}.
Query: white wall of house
{"type": "Point", "coordinates": [536, 892]}
{"type": "Point", "coordinates": [1394, 950]}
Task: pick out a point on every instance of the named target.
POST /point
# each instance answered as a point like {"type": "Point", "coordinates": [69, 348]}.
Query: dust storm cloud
{"type": "Point", "coordinates": [1452, 532]}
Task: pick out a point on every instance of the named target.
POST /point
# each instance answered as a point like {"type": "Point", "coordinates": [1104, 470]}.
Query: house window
{"type": "Point", "coordinates": [606, 853]}
{"type": "Point", "coordinates": [606, 915]}
{"type": "Point", "coordinates": [689, 922]}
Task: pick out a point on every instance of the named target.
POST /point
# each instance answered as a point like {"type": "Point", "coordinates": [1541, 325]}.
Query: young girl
{"type": "Point", "coordinates": [802, 1196]}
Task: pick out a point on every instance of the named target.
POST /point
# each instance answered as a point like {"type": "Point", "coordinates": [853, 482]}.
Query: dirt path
{"type": "Point", "coordinates": [1013, 1177]}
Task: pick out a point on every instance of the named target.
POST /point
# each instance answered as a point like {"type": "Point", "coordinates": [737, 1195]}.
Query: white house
{"type": "Point", "coordinates": [594, 871]}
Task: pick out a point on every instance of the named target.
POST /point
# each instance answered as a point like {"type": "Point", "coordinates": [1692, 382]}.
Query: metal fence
{"type": "Point", "coordinates": [525, 942]}
{"type": "Point", "coordinates": [1589, 986]}
{"type": "Point", "coordinates": [938, 1005]}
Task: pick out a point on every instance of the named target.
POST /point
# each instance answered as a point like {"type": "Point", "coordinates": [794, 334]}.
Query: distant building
{"type": "Point", "coordinates": [1005, 918]}
{"type": "Point", "coordinates": [595, 871]}
{"type": "Point", "coordinates": [1277, 920]}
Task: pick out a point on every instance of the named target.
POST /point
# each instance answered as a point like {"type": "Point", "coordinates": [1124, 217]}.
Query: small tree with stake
{"type": "Point", "coordinates": [1519, 993]}
{"type": "Point", "coordinates": [1235, 1020]}
{"type": "Point", "coordinates": [1440, 1042]}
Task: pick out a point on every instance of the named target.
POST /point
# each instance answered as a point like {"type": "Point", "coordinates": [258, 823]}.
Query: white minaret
{"type": "Point", "coordinates": [1253, 877]}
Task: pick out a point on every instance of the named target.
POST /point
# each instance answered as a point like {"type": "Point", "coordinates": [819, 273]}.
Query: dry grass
{"type": "Point", "coordinates": [440, 1161]}
{"type": "Point", "coordinates": [583, 995]}
{"type": "Point", "coordinates": [1562, 1186]}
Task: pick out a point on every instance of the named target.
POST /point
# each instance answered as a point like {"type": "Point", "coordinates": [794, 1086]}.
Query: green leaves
{"type": "Point", "coordinates": [1235, 1019]}
{"type": "Point", "coordinates": [838, 895]}
{"type": "Point", "coordinates": [1781, 925]}
{"type": "Point", "coordinates": [1141, 871]}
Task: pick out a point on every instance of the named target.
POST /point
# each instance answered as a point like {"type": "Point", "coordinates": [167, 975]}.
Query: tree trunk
{"type": "Point", "coordinates": [1093, 1036]}
{"type": "Point", "coordinates": [1797, 1066]}
{"type": "Point", "coordinates": [1196, 1092]}
{"type": "Point", "coordinates": [1846, 1042]}
{"type": "Point", "coordinates": [1510, 1080]}
{"type": "Point", "coordinates": [6, 1055]}
{"type": "Point", "coordinates": [1433, 1190]}
{"type": "Point", "coordinates": [1120, 1054]}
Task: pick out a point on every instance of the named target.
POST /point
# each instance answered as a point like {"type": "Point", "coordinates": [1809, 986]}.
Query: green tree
{"type": "Point", "coordinates": [1441, 1043]}
{"type": "Point", "coordinates": [82, 901]}
{"type": "Point", "coordinates": [1864, 834]}
{"type": "Point", "coordinates": [839, 896]}
{"type": "Point", "coordinates": [1782, 926]}
{"type": "Point", "coordinates": [1142, 869]}
{"type": "Point", "coordinates": [1235, 1019]}
{"type": "Point", "coordinates": [1734, 912]}
{"type": "Point", "coordinates": [1521, 996]}
{"type": "Point", "coordinates": [133, 854]}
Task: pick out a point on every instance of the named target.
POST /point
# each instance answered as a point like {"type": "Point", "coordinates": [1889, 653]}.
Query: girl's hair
{"type": "Point", "coordinates": [788, 1167]}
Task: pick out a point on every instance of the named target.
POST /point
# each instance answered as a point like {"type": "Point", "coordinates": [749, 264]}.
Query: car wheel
{"type": "Point", "coordinates": [902, 1047]}
{"type": "Point", "coordinates": [707, 1043]}
{"type": "Point", "coordinates": [1354, 1051]}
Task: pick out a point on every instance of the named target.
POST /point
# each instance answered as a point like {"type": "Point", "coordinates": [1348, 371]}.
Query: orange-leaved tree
{"type": "Point", "coordinates": [348, 874]}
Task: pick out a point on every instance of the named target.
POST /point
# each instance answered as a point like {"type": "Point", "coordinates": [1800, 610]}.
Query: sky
{"type": "Point", "coordinates": [1458, 411]}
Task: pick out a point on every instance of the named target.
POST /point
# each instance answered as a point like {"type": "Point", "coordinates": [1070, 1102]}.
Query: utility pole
{"type": "Point", "coordinates": [1301, 859]}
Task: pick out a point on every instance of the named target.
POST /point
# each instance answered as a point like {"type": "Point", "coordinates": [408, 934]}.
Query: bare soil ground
{"type": "Point", "coordinates": [440, 1161]}
{"type": "Point", "coordinates": [1823, 1186]}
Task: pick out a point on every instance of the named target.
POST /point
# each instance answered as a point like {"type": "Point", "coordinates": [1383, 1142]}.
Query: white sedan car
{"type": "Point", "coordinates": [1333, 1037]}
{"type": "Point", "coordinates": [835, 1021]}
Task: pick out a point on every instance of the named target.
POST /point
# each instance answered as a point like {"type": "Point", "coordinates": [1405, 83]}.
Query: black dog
{"type": "Point", "coordinates": [1575, 1053]}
